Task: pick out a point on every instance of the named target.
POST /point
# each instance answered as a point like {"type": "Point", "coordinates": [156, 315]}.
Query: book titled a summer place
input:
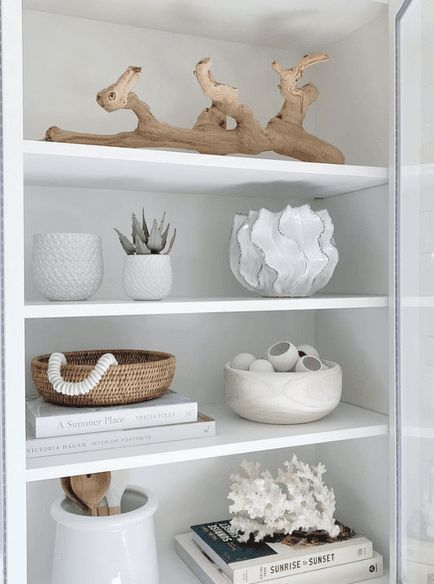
{"type": "Point", "coordinates": [248, 563]}
{"type": "Point", "coordinates": [204, 427]}
{"type": "Point", "coordinates": [50, 420]}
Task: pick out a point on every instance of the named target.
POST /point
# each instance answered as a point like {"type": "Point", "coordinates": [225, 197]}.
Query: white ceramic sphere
{"type": "Point", "coordinates": [283, 356]}
{"type": "Point", "coordinates": [308, 350]}
{"type": "Point", "coordinates": [243, 361]}
{"type": "Point", "coordinates": [261, 365]}
{"type": "Point", "coordinates": [308, 363]}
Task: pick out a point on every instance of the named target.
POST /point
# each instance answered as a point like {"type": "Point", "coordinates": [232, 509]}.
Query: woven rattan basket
{"type": "Point", "coordinates": [140, 376]}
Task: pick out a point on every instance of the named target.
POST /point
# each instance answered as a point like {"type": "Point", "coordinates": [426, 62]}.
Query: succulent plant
{"type": "Point", "coordinates": [145, 241]}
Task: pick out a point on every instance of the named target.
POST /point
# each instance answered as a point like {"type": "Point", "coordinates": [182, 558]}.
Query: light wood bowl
{"type": "Point", "coordinates": [283, 398]}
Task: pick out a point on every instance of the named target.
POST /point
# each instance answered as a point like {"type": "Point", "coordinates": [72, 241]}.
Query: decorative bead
{"type": "Point", "coordinates": [307, 350]}
{"type": "Point", "coordinates": [308, 363]}
{"type": "Point", "coordinates": [242, 361]}
{"type": "Point", "coordinates": [261, 365]}
{"type": "Point", "coordinates": [283, 356]}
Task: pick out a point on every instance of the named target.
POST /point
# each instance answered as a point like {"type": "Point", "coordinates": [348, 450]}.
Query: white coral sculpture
{"type": "Point", "coordinates": [296, 499]}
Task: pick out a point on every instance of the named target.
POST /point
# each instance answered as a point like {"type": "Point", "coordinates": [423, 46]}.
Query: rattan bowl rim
{"type": "Point", "coordinates": [42, 360]}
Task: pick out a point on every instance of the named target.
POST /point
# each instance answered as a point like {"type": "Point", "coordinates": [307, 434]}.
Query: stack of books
{"type": "Point", "coordinates": [215, 556]}
{"type": "Point", "coordinates": [53, 430]}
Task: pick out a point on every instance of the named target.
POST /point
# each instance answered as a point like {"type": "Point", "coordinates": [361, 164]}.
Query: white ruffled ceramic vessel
{"type": "Point", "coordinates": [67, 266]}
{"type": "Point", "coordinates": [117, 549]}
{"type": "Point", "coordinates": [285, 254]}
{"type": "Point", "coordinates": [283, 398]}
{"type": "Point", "coordinates": [147, 277]}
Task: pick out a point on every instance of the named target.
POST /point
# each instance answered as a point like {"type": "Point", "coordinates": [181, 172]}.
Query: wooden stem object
{"type": "Point", "coordinates": [283, 134]}
{"type": "Point", "coordinates": [90, 489]}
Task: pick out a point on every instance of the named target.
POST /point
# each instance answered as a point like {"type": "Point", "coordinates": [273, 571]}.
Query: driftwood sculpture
{"type": "Point", "coordinates": [283, 134]}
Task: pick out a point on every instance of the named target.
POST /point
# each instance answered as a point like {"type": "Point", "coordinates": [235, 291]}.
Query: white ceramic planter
{"type": "Point", "coordinates": [147, 277]}
{"type": "Point", "coordinates": [283, 398]}
{"type": "Point", "coordinates": [120, 549]}
{"type": "Point", "coordinates": [67, 266]}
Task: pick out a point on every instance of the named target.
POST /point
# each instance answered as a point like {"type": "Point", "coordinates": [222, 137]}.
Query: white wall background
{"type": "Point", "coordinates": [79, 57]}
{"type": "Point", "coordinates": [353, 109]}
{"type": "Point", "coordinates": [63, 74]}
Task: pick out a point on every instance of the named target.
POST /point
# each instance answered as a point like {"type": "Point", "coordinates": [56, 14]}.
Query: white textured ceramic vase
{"type": "Point", "coordinates": [67, 266]}
{"type": "Point", "coordinates": [290, 253]}
{"type": "Point", "coordinates": [147, 277]}
{"type": "Point", "coordinates": [284, 398]}
{"type": "Point", "coordinates": [117, 549]}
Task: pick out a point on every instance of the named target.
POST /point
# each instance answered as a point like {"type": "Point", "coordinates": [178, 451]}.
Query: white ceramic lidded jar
{"type": "Point", "coordinates": [147, 277]}
{"type": "Point", "coordinates": [67, 266]}
{"type": "Point", "coordinates": [117, 549]}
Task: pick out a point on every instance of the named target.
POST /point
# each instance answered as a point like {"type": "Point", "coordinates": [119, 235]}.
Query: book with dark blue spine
{"type": "Point", "coordinates": [251, 562]}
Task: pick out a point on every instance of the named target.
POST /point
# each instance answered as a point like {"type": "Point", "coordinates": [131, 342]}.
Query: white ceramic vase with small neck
{"type": "Point", "coordinates": [147, 277]}
{"type": "Point", "coordinates": [67, 266]}
{"type": "Point", "coordinates": [117, 549]}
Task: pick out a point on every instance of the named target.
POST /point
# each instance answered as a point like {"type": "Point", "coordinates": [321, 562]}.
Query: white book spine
{"type": "Point", "coordinates": [37, 447]}
{"type": "Point", "coordinates": [208, 573]}
{"type": "Point", "coordinates": [309, 562]}
{"type": "Point", "coordinates": [122, 419]}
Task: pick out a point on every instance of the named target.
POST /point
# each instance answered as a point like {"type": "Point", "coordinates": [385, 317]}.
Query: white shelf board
{"type": "Point", "coordinates": [234, 436]}
{"type": "Point", "coordinates": [77, 165]}
{"type": "Point", "coordinates": [125, 307]}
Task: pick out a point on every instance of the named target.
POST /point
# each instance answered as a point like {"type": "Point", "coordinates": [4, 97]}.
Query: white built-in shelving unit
{"type": "Point", "coordinates": [209, 318]}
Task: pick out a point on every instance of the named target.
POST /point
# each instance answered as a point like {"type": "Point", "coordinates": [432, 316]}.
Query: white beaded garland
{"type": "Point", "coordinates": [57, 360]}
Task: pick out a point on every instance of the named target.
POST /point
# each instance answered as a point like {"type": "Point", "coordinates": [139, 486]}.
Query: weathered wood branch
{"type": "Point", "coordinates": [283, 134]}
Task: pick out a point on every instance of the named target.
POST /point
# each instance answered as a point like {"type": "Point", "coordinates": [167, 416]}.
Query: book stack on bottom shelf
{"type": "Point", "coordinates": [215, 556]}
{"type": "Point", "coordinates": [53, 430]}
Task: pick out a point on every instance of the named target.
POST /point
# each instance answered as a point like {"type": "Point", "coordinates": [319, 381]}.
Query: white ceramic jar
{"type": "Point", "coordinates": [147, 277]}
{"type": "Point", "coordinates": [118, 549]}
{"type": "Point", "coordinates": [67, 266]}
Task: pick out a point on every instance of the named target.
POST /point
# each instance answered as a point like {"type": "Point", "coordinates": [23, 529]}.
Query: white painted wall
{"type": "Point", "coordinates": [353, 110]}
{"type": "Point", "coordinates": [79, 57]}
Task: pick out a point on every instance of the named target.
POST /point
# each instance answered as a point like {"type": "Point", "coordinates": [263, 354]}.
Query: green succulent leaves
{"type": "Point", "coordinates": [145, 241]}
